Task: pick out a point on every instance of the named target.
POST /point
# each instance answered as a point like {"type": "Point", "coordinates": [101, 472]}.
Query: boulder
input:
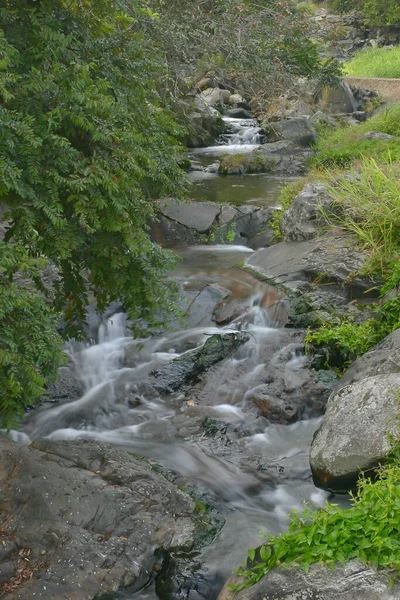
{"type": "Point", "coordinates": [354, 434]}
{"type": "Point", "coordinates": [187, 368]}
{"type": "Point", "coordinates": [195, 215]}
{"type": "Point", "coordinates": [281, 158]}
{"type": "Point", "coordinates": [350, 581]}
{"type": "Point", "coordinates": [304, 217]}
{"type": "Point", "coordinates": [377, 135]}
{"type": "Point", "coordinates": [237, 100]}
{"type": "Point", "coordinates": [239, 113]}
{"type": "Point", "coordinates": [339, 99]}
{"type": "Point", "coordinates": [299, 267]}
{"type": "Point", "coordinates": [215, 96]}
{"type": "Point", "coordinates": [292, 389]}
{"type": "Point", "coordinates": [320, 276]}
{"type": "Point", "coordinates": [298, 130]}
{"type": "Point", "coordinates": [206, 222]}
{"type": "Point", "coordinates": [80, 519]}
{"type": "Point", "coordinates": [382, 359]}
{"type": "Point", "coordinates": [204, 122]}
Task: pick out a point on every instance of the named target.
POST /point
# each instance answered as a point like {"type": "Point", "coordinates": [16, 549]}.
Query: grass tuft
{"type": "Point", "coordinates": [375, 62]}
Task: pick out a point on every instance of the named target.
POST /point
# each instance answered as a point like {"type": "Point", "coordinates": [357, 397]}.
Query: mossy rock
{"type": "Point", "coordinates": [240, 164]}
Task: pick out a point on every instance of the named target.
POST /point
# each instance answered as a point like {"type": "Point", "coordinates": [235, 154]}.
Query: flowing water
{"type": "Point", "coordinates": [252, 471]}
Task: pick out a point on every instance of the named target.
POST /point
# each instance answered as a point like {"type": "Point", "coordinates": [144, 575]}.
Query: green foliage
{"type": "Point", "coordinates": [344, 342]}
{"type": "Point", "coordinates": [83, 153]}
{"type": "Point", "coordinates": [30, 348]}
{"type": "Point", "coordinates": [376, 12]}
{"type": "Point", "coordinates": [254, 47]}
{"type": "Point", "coordinates": [369, 531]}
{"type": "Point", "coordinates": [368, 199]}
{"type": "Point", "coordinates": [368, 202]}
{"type": "Point", "coordinates": [85, 148]}
{"type": "Point", "coordinates": [341, 147]}
{"type": "Point", "coordinates": [375, 62]}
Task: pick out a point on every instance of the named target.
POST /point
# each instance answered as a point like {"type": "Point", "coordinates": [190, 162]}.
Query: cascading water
{"type": "Point", "coordinates": [255, 472]}
{"type": "Point", "coordinates": [243, 132]}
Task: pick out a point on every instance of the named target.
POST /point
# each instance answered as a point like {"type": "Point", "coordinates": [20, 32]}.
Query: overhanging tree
{"type": "Point", "coordinates": [84, 149]}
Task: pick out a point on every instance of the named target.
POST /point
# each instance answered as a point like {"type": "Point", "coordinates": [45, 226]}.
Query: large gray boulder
{"type": "Point", "coordinates": [339, 99]}
{"type": "Point", "coordinates": [354, 434]}
{"type": "Point", "coordinates": [215, 96]}
{"type": "Point", "coordinates": [351, 581]}
{"type": "Point", "coordinates": [382, 359]}
{"type": "Point", "coordinates": [305, 216]}
{"type": "Point", "coordinates": [298, 130]}
{"type": "Point", "coordinates": [194, 215]}
{"type": "Point", "coordinates": [206, 222]}
{"type": "Point", "coordinates": [321, 274]}
{"type": "Point", "coordinates": [85, 519]}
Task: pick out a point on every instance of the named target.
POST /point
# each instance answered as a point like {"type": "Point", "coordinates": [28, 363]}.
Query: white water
{"type": "Point", "coordinates": [117, 409]}
{"type": "Point", "coordinates": [244, 132]}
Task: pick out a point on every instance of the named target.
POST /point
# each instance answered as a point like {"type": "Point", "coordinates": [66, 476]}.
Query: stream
{"type": "Point", "coordinates": [252, 471]}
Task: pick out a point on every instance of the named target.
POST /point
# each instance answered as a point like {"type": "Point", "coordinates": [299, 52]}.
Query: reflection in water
{"type": "Point", "coordinates": [257, 189]}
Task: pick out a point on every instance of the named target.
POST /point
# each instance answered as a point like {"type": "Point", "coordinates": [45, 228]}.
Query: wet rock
{"type": "Point", "coordinates": [292, 389]}
{"type": "Point", "coordinates": [200, 310]}
{"type": "Point", "coordinates": [184, 578]}
{"type": "Point", "coordinates": [239, 113]}
{"type": "Point", "coordinates": [190, 365]}
{"type": "Point", "coordinates": [276, 410]}
{"type": "Point", "coordinates": [66, 386]}
{"type": "Point", "coordinates": [321, 274]}
{"type": "Point", "coordinates": [350, 581]}
{"type": "Point", "coordinates": [196, 215]}
{"type": "Point", "coordinates": [91, 515]}
{"type": "Point", "coordinates": [382, 359]}
{"type": "Point", "coordinates": [304, 217]}
{"type": "Point", "coordinates": [353, 436]}
{"type": "Point", "coordinates": [230, 309]}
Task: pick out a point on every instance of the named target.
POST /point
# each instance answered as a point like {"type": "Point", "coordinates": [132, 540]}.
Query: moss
{"type": "Point", "coordinates": [240, 164]}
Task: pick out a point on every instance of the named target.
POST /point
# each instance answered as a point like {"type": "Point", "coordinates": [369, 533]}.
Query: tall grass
{"type": "Point", "coordinates": [368, 200]}
{"type": "Point", "coordinates": [375, 62]}
{"type": "Point", "coordinates": [340, 147]}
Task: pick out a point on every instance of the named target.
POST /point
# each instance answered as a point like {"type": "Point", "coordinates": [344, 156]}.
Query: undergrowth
{"type": "Point", "coordinates": [344, 342]}
{"type": "Point", "coordinates": [341, 147]}
{"type": "Point", "coordinates": [369, 531]}
{"type": "Point", "coordinates": [375, 62]}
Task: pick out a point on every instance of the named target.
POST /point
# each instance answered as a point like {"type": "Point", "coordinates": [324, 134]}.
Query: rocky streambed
{"type": "Point", "coordinates": [154, 463]}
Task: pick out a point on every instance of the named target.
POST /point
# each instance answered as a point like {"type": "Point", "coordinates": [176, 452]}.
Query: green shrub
{"type": "Point", "coordinates": [30, 348]}
{"type": "Point", "coordinates": [375, 62]}
{"type": "Point", "coordinates": [369, 531]}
